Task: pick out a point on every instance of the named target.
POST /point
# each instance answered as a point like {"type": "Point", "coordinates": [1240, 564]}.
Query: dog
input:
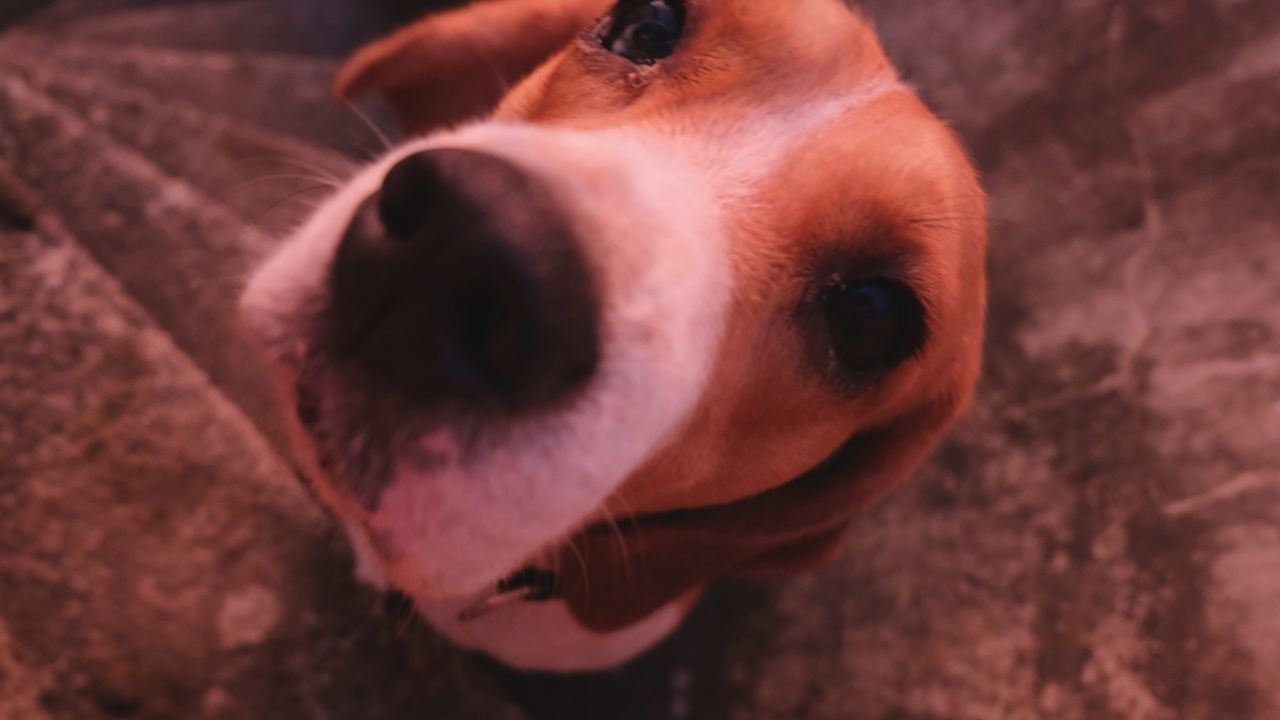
{"type": "Point", "coordinates": [658, 291]}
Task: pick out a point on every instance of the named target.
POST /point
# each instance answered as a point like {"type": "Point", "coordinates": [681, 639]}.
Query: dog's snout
{"type": "Point", "coordinates": [462, 281]}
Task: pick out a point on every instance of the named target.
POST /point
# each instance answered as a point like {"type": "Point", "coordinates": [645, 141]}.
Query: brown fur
{"type": "Point", "coordinates": [773, 462]}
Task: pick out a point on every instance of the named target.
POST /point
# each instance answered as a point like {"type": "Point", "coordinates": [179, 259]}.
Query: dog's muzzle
{"type": "Point", "coordinates": [480, 342]}
{"type": "Point", "coordinates": [460, 286]}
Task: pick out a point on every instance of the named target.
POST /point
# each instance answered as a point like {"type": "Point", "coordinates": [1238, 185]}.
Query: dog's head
{"type": "Point", "coordinates": [708, 265]}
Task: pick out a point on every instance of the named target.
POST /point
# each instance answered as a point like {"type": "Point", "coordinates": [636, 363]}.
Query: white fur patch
{"type": "Point", "coordinates": [650, 209]}
{"type": "Point", "coordinates": [744, 150]}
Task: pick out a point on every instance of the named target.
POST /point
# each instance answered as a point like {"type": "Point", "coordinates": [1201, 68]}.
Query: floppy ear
{"type": "Point", "coordinates": [458, 64]}
{"type": "Point", "coordinates": [613, 577]}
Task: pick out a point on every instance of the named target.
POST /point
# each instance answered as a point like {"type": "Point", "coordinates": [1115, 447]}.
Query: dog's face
{"type": "Point", "coordinates": [686, 259]}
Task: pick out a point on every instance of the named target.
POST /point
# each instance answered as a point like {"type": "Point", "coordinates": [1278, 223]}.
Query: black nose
{"type": "Point", "coordinates": [461, 281]}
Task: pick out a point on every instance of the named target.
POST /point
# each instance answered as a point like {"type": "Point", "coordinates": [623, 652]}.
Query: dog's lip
{"type": "Point", "coordinates": [529, 584]}
{"type": "Point", "coordinates": [306, 409]}
{"type": "Point", "coordinates": [313, 453]}
{"type": "Point", "coordinates": [315, 468]}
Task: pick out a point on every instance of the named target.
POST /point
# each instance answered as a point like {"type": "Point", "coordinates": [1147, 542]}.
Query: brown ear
{"type": "Point", "coordinates": [457, 65]}
{"type": "Point", "coordinates": [613, 577]}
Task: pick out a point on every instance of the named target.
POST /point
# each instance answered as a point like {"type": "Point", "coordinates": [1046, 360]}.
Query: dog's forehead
{"type": "Point", "coordinates": [737, 58]}
{"type": "Point", "coordinates": [825, 38]}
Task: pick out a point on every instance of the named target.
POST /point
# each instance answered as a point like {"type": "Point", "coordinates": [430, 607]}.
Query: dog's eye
{"type": "Point", "coordinates": [644, 31]}
{"type": "Point", "coordinates": [875, 324]}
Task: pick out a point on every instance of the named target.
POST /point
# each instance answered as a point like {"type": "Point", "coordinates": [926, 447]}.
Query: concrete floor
{"type": "Point", "coordinates": [1099, 539]}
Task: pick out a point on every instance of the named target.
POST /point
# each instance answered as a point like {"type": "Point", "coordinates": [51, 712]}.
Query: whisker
{"type": "Point", "coordinates": [296, 161]}
{"type": "Point", "coordinates": [635, 528]}
{"type": "Point", "coordinates": [373, 127]}
{"type": "Point", "coordinates": [504, 86]}
{"type": "Point", "coordinates": [630, 513]}
{"type": "Point", "coordinates": [284, 176]}
{"type": "Point", "coordinates": [944, 221]}
{"type": "Point", "coordinates": [287, 198]}
{"type": "Point", "coordinates": [582, 562]}
{"type": "Point", "coordinates": [622, 546]}
{"type": "Point", "coordinates": [410, 619]}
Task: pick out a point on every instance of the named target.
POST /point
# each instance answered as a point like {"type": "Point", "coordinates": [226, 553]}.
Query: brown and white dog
{"type": "Point", "coordinates": [660, 291]}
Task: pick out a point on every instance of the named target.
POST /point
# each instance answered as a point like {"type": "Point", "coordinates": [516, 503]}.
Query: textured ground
{"type": "Point", "coordinates": [1100, 539]}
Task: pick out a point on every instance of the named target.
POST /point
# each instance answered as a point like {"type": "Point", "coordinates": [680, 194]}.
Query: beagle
{"type": "Point", "coordinates": [659, 291]}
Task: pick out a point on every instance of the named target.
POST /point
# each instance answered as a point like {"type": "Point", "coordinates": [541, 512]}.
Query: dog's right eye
{"type": "Point", "coordinates": [874, 324]}
{"type": "Point", "coordinates": [644, 31]}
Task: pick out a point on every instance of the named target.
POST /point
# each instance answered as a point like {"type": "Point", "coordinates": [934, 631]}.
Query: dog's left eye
{"type": "Point", "coordinates": [874, 324]}
{"type": "Point", "coordinates": [644, 31]}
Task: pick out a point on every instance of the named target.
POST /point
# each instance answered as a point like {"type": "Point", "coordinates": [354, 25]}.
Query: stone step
{"type": "Point", "coordinates": [239, 25]}
{"type": "Point", "coordinates": [180, 254]}
{"type": "Point", "coordinates": [328, 27]}
{"type": "Point", "coordinates": [267, 178]}
{"type": "Point", "coordinates": [56, 13]}
{"type": "Point", "coordinates": [284, 93]}
{"type": "Point", "coordinates": [158, 559]}
{"type": "Point", "coordinates": [1134, 151]}
{"type": "Point", "coordinates": [1009, 75]}
{"type": "Point", "coordinates": [18, 10]}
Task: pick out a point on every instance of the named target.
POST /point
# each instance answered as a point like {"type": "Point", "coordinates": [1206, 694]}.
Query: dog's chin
{"type": "Point", "coordinates": [438, 529]}
{"type": "Point", "coordinates": [384, 565]}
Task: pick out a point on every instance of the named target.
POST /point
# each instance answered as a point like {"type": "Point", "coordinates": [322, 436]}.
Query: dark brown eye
{"type": "Point", "coordinates": [874, 324]}
{"type": "Point", "coordinates": [644, 31]}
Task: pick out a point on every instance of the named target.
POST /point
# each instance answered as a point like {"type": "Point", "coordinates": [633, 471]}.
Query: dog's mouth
{"type": "Point", "coordinates": [363, 444]}
{"type": "Point", "coordinates": [530, 584]}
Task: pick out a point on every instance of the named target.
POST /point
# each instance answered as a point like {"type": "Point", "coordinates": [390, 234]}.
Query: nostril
{"type": "Point", "coordinates": [494, 330]}
{"type": "Point", "coordinates": [409, 191]}
{"type": "Point", "coordinates": [476, 324]}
